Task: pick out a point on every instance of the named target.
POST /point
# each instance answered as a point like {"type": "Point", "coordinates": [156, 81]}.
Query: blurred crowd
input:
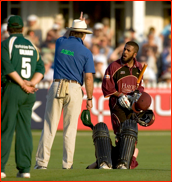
{"type": "Point", "coordinates": [154, 50]}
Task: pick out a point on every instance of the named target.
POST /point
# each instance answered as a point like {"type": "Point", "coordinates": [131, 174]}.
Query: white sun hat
{"type": "Point", "coordinates": [98, 26]}
{"type": "Point", "coordinates": [32, 17]}
{"type": "Point", "coordinates": [55, 26]}
{"type": "Point", "coordinates": [101, 59]}
{"type": "Point", "coordinates": [79, 26]}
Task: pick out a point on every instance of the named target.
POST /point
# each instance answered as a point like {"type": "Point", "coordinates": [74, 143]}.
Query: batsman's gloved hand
{"type": "Point", "coordinates": [124, 102]}
{"type": "Point", "coordinates": [134, 98]}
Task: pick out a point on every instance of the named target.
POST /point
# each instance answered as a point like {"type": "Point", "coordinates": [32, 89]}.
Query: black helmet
{"type": "Point", "coordinates": [146, 118]}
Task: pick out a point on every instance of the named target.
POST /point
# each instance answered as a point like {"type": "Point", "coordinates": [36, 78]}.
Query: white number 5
{"type": "Point", "coordinates": [26, 67]}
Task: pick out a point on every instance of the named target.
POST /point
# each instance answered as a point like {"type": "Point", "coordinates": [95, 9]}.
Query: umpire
{"type": "Point", "coordinates": [72, 60]}
{"type": "Point", "coordinates": [22, 69]}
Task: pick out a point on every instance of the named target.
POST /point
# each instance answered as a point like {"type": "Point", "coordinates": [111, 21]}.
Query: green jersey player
{"type": "Point", "coordinates": [21, 69]}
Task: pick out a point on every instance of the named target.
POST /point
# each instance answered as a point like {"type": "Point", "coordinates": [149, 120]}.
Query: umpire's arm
{"type": "Point", "coordinates": [89, 89]}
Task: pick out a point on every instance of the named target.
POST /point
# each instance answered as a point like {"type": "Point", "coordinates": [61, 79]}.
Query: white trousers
{"type": "Point", "coordinates": [71, 106]}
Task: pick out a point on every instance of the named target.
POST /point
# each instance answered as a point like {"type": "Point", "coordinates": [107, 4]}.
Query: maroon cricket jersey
{"type": "Point", "coordinates": [119, 77]}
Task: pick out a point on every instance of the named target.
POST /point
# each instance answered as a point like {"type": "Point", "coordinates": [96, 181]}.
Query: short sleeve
{"type": "Point", "coordinates": [40, 66]}
{"type": "Point", "coordinates": [89, 65]}
{"type": "Point", "coordinates": [108, 84]}
{"type": "Point", "coordinates": [6, 65]}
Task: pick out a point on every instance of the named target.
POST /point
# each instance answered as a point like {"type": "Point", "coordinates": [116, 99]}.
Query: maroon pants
{"type": "Point", "coordinates": [118, 113]}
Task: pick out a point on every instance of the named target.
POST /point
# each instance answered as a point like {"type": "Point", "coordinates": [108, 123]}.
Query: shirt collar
{"type": "Point", "coordinates": [136, 64]}
{"type": "Point", "coordinates": [78, 39]}
{"type": "Point", "coordinates": [16, 35]}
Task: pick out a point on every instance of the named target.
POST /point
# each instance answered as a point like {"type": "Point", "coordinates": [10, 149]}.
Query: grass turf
{"type": "Point", "coordinates": [154, 160]}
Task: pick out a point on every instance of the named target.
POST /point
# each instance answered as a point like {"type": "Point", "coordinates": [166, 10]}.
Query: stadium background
{"type": "Point", "coordinates": [122, 15]}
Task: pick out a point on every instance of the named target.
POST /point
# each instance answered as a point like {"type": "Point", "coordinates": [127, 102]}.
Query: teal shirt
{"type": "Point", "coordinates": [20, 55]}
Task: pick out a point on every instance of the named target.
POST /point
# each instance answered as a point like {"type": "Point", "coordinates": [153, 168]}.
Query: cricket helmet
{"type": "Point", "coordinates": [143, 103]}
{"type": "Point", "coordinates": [146, 118]}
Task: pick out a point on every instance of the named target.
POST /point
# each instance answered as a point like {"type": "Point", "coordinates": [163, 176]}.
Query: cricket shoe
{"type": "Point", "coordinates": [68, 168]}
{"type": "Point", "coordinates": [104, 166]}
{"type": "Point", "coordinates": [39, 167]}
{"type": "Point", "coordinates": [3, 175]}
{"type": "Point", "coordinates": [121, 166]}
{"type": "Point", "coordinates": [23, 175]}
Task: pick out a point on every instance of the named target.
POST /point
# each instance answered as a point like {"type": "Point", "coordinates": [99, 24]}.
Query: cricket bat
{"type": "Point", "coordinates": [141, 74]}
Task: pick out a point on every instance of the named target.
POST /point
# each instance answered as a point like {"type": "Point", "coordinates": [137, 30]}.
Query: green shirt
{"type": "Point", "coordinates": [20, 55]}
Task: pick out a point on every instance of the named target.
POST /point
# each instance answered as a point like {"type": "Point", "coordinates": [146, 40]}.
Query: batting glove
{"type": "Point", "coordinates": [124, 102]}
{"type": "Point", "coordinates": [134, 98]}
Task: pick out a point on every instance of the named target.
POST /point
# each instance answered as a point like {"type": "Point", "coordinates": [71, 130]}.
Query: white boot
{"type": "Point", "coordinates": [23, 175]}
{"type": "Point", "coordinates": [3, 175]}
{"type": "Point", "coordinates": [104, 166]}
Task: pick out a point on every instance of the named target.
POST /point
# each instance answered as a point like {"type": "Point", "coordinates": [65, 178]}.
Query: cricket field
{"type": "Point", "coordinates": [154, 160]}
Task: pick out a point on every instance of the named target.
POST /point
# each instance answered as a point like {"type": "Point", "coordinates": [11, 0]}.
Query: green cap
{"type": "Point", "coordinates": [86, 118]}
{"type": "Point", "coordinates": [15, 22]}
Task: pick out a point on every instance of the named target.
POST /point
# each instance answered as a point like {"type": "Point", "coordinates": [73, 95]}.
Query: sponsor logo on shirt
{"type": "Point", "coordinates": [24, 47]}
{"type": "Point", "coordinates": [67, 52]}
{"type": "Point", "coordinates": [122, 72]}
{"type": "Point", "coordinates": [127, 88]}
{"type": "Point", "coordinates": [107, 76]}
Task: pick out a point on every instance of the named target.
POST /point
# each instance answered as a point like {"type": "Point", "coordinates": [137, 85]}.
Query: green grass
{"type": "Point", "coordinates": [154, 160]}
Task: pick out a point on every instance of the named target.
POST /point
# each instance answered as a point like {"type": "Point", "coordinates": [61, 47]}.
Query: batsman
{"type": "Point", "coordinates": [128, 104]}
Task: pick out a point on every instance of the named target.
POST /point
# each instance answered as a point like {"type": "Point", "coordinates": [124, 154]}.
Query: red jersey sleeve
{"type": "Point", "coordinates": [108, 85]}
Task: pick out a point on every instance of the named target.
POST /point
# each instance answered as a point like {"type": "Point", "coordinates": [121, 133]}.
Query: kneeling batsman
{"type": "Point", "coordinates": [123, 155]}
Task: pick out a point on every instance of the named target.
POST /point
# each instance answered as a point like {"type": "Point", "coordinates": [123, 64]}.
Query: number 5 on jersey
{"type": "Point", "coordinates": [26, 67]}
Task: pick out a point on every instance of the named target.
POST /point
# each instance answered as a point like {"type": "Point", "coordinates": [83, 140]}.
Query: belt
{"type": "Point", "coordinates": [70, 81]}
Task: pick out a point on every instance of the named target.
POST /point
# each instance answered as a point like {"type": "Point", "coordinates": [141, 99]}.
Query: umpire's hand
{"type": "Point", "coordinates": [89, 104]}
